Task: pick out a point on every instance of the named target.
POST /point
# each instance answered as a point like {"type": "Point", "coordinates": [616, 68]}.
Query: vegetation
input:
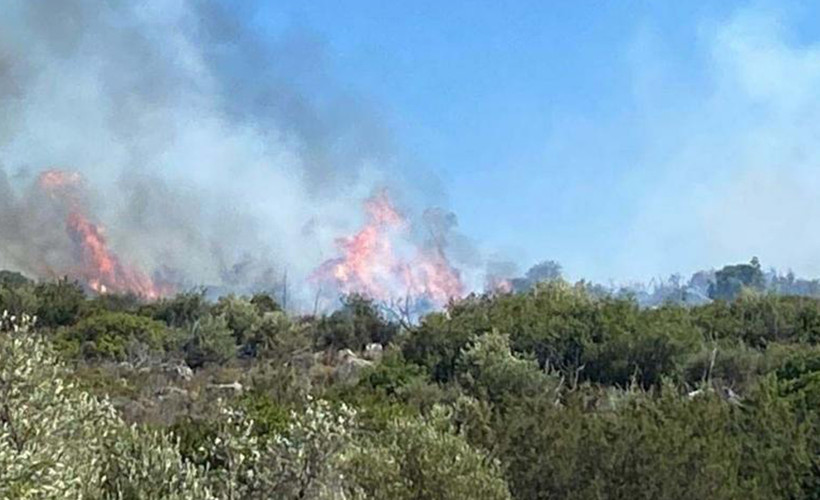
{"type": "Point", "coordinates": [552, 391]}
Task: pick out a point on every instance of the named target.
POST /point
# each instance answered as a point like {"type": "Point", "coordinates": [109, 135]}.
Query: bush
{"type": "Point", "coordinates": [19, 299]}
{"type": "Point", "coordinates": [240, 315]}
{"type": "Point", "coordinates": [422, 460]}
{"type": "Point", "coordinates": [264, 303]}
{"type": "Point", "coordinates": [487, 369]}
{"type": "Point", "coordinates": [180, 311]}
{"type": "Point", "coordinates": [276, 337]}
{"type": "Point", "coordinates": [657, 346]}
{"type": "Point", "coordinates": [57, 441]}
{"type": "Point", "coordinates": [210, 341]}
{"type": "Point", "coordinates": [116, 336]}
{"type": "Point", "coordinates": [60, 303]}
{"type": "Point", "coordinates": [355, 325]}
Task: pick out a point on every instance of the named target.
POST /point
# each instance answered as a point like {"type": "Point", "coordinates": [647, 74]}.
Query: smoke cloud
{"type": "Point", "coordinates": [212, 155]}
{"type": "Point", "coordinates": [732, 148]}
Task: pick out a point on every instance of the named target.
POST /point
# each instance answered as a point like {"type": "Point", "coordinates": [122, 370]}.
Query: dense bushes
{"type": "Point", "coordinates": [116, 336]}
{"type": "Point", "coordinates": [553, 392]}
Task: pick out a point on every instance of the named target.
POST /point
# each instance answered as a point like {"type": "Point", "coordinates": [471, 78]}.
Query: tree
{"type": "Point", "coordinates": [180, 311]}
{"type": "Point", "coordinates": [13, 279]}
{"type": "Point", "coordinates": [731, 280]}
{"type": "Point", "coordinates": [241, 316]}
{"type": "Point", "coordinates": [358, 323]}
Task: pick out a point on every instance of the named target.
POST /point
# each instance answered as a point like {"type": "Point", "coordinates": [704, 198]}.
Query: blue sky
{"type": "Point", "coordinates": [611, 136]}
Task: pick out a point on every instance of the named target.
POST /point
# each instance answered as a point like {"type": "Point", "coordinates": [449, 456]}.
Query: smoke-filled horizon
{"type": "Point", "coordinates": [234, 146]}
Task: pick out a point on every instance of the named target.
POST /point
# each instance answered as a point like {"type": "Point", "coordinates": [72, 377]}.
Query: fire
{"type": "Point", "coordinates": [99, 267]}
{"type": "Point", "coordinates": [371, 265]}
{"type": "Point", "coordinates": [54, 180]}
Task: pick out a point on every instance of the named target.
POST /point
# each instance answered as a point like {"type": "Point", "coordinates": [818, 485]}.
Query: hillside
{"type": "Point", "coordinates": [551, 392]}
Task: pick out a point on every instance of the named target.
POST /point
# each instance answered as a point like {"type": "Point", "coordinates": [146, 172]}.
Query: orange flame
{"type": "Point", "coordinates": [100, 268]}
{"type": "Point", "coordinates": [369, 264]}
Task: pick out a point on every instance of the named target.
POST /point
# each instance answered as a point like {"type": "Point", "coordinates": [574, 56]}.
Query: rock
{"type": "Point", "coordinates": [373, 351]}
{"type": "Point", "coordinates": [344, 354]}
{"type": "Point", "coordinates": [171, 392]}
{"type": "Point", "coordinates": [350, 367]}
{"type": "Point", "coordinates": [233, 386]}
{"type": "Point", "coordinates": [183, 371]}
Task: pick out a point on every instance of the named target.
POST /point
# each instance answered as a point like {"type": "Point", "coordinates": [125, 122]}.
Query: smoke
{"type": "Point", "coordinates": [211, 153]}
{"type": "Point", "coordinates": [731, 145]}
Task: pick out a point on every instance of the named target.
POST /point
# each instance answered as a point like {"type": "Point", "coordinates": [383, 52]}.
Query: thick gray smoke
{"type": "Point", "coordinates": [209, 154]}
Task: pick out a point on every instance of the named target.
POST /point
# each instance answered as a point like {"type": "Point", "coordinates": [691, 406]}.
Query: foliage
{"type": "Point", "coordinates": [12, 323]}
{"type": "Point", "coordinates": [13, 279]}
{"type": "Point", "coordinates": [301, 462]}
{"type": "Point", "coordinates": [59, 303]}
{"type": "Point", "coordinates": [18, 298]}
{"type": "Point", "coordinates": [732, 280]}
{"type": "Point", "coordinates": [240, 315]}
{"type": "Point", "coordinates": [59, 442]}
{"type": "Point", "coordinates": [489, 370]}
{"type": "Point", "coordinates": [182, 310]}
{"type": "Point", "coordinates": [210, 341]}
{"type": "Point", "coordinates": [357, 323]}
{"type": "Point", "coordinates": [264, 303]}
{"type": "Point", "coordinates": [114, 335]}
{"type": "Point", "coordinates": [558, 391]}
{"type": "Point", "coordinates": [415, 459]}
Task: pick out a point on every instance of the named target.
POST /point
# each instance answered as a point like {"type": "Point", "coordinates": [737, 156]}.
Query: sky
{"type": "Point", "coordinates": [625, 139]}
{"type": "Point", "coordinates": [233, 143]}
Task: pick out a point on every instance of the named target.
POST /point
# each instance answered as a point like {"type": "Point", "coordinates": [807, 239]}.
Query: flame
{"type": "Point", "coordinates": [369, 263]}
{"type": "Point", "coordinates": [99, 267]}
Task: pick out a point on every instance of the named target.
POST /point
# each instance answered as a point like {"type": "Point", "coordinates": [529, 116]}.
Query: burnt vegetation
{"type": "Point", "coordinates": [552, 390]}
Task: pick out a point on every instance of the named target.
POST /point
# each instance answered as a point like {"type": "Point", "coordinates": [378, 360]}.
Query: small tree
{"type": "Point", "coordinates": [210, 341]}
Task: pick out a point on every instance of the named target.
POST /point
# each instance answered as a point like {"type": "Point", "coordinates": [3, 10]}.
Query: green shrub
{"type": "Point", "coordinates": [116, 336]}
{"type": "Point", "coordinates": [179, 311]}
{"type": "Point", "coordinates": [60, 303]}
{"type": "Point", "coordinates": [355, 325]}
{"type": "Point", "coordinates": [415, 459]}
{"type": "Point", "coordinates": [240, 314]}
{"type": "Point", "coordinates": [210, 341]}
